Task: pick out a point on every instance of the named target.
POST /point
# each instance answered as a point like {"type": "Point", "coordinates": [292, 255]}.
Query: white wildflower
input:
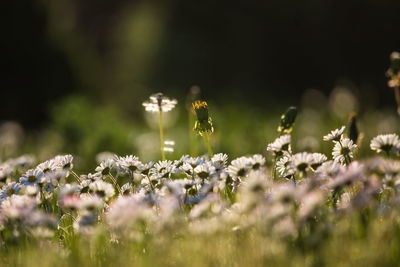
{"type": "Point", "coordinates": [285, 166]}
{"type": "Point", "coordinates": [318, 159]}
{"type": "Point", "coordinates": [64, 162]}
{"type": "Point", "coordinates": [219, 161]}
{"type": "Point", "coordinates": [106, 166]}
{"type": "Point", "coordinates": [302, 161]}
{"type": "Point", "coordinates": [129, 163]}
{"type": "Point", "coordinates": [280, 145]}
{"type": "Point", "coordinates": [159, 102]}
{"type": "Point", "coordinates": [204, 171]}
{"type": "Point", "coordinates": [240, 167]}
{"type": "Point", "coordinates": [343, 150]}
{"type": "Point", "coordinates": [386, 143]}
{"type": "Point", "coordinates": [9, 190]}
{"type": "Point", "coordinates": [335, 135]}
{"type": "Point", "coordinates": [258, 161]}
{"type": "Point", "coordinates": [31, 177]}
{"type": "Point", "coordinates": [102, 189]}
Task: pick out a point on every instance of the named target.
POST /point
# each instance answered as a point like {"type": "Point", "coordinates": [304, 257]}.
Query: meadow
{"type": "Point", "coordinates": [204, 184]}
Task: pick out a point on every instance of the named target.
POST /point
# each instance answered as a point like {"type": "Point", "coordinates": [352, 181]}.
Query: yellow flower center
{"type": "Point", "coordinates": [199, 104]}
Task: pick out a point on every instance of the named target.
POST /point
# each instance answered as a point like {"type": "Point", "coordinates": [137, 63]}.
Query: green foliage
{"type": "Point", "coordinates": [88, 129]}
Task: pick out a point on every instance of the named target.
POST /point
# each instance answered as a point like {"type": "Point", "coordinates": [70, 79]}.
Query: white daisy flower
{"type": "Point", "coordinates": [285, 166]}
{"type": "Point", "coordinates": [22, 161]}
{"type": "Point", "coordinates": [280, 145]}
{"type": "Point", "coordinates": [31, 177]}
{"type": "Point", "coordinates": [17, 207]}
{"type": "Point", "coordinates": [48, 165]}
{"type": "Point", "coordinates": [204, 171]}
{"type": "Point", "coordinates": [391, 168]}
{"type": "Point", "coordinates": [69, 189]}
{"type": "Point", "coordinates": [164, 168]}
{"type": "Point", "coordinates": [318, 159]}
{"type": "Point", "coordinates": [102, 189]}
{"type": "Point", "coordinates": [258, 161]}
{"type": "Point", "coordinates": [84, 185]}
{"type": "Point", "coordinates": [10, 189]}
{"type": "Point", "coordinates": [196, 161]}
{"type": "Point", "coordinates": [353, 172]}
{"type": "Point", "coordinates": [177, 187]}
{"type": "Point", "coordinates": [64, 162]}
{"type": "Point", "coordinates": [57, 176]}
{"type": "Point", "coordinates": [90, 203]}
{"type": "Point", "coordinates": [335, 135]}
{"type": "Point", "coordinates": [159, 102]}
{"type": "Point", "coordinates": [127, 189]}
{"type": "Point", "coordinates": [219, 161]}
{"type": "Point", "coordinates": [126, 211]}
{"type": "Point", "coordinates": [31, 190]}
{"type": "Point", "coordinates": [302, 161]}
{"type": "Point", "coordinates": [106, 166]}
{"type": "Point", "coordinates": [6, 170]}
{"type": "Point", "coordinates": [240, 167]}
{"type": "Point", "coordinates": [178, 163]}
{"type": "Point", "coordinates": [147, 167]}
{"type": "Point", "coordinates": [329, 169]}
{"type": "Point", "coordinates": [386, 143]}
{"type": "Point", "coordinates": [186, 168]}
{"type": "Point", "coordinates": [284, 193]}
{"type": "Point", "coordinates": [129, 163]}
{"type": "Point", "coordinates": [343, 150]}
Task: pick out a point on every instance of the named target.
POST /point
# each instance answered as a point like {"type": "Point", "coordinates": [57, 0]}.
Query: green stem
{"type": "Point", "coordinates": [116, 184]}
{"type": "Point", "coordinates": [340, 143]}
{"type": "Point", "coordinates": [192, 136]}
{"type": "Point", "coordinates": [347, 159]}
{"type": "Point", "coordinates": [205, 135]}
{"type": "Point", "coordinates": [150, 183]}
{"type": "Point", "coordinates": [76, 176]}
{"type": "Point", "coordinates": [162, 137]}
{"type": "Point", "coordinates": [397, 96]}
{"type": "Point", "coordinates": [274, 167]}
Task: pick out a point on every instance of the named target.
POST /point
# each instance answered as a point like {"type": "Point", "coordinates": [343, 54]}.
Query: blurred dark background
{"type": "Point", "coordinates": [260, 53]}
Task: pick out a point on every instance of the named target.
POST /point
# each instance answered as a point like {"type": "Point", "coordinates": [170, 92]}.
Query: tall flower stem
{"type": "Point", "coordinates": [397, 96]}
{"type": "Point", "coordinates": [274, 167]}
{"type": "Point", "coordinates": [150, 183]}
{"type": "Point", "coordinates": [76, 176]}
{"type": "Point", "coordinates": [162, 137]}
{"type": "Point", "coordinates": [205, 135]}
{"type": "Point", "coordinates": [192, 136]}
{"type": "Point", "coordinates": [116, 184]}
{"type": "Point", "coordinates": [347, 159]}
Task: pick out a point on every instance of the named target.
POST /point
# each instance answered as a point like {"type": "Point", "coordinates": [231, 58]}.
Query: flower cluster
{"type": "Point", "coordinates": [343, 148]}
{"type": "Point", "coordinates": [125, 199]}
{"type": "Point", "coordinates": [200, 194]}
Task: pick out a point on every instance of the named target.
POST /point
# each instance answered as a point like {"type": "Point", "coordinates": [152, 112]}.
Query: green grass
{"type": "Point", "coordinates": [363, 235]}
